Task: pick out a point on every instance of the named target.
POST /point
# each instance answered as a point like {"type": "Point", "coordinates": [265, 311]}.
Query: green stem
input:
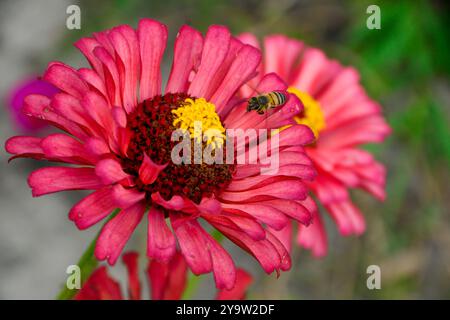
{"type": "Point", "coordinates": [87, 264]}
{"type": "Point", "coordinates": [216, 234]}
{"type": "Point", "coordinates": [192, 286]}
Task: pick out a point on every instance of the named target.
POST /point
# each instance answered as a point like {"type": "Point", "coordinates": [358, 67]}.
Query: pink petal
{"type": "Point", "coordinates": [126, 197]}
{"type": "Point", "coordinates": [87, 46]}
{"type": "Point", "coordinates": [348, 218]}
{"type": "Point", "coordinates": [310, 205]}
{"type": "Point", "coordinates": [111, 75]}
{"type": "Point", "coordinates": [110, 171]}
{"type": "Point", "coordinates": [176, 203]}
{"type": "Point", "coordinates": [120, 116]}
{"type": "Point", "coordinates": [208, 205]}
{"type": "Point", "coordinates": [104, 41]}
{"type": "Point", "coordinates": [342, 87]}
{"type": "Point", "coordinates": [240, 221]}
{"type": "Point", "coordinates": [263, 250]}
{"type": "Point", "coordinates": [96, 147]}
{"type": "Point", "coordinates": [117, 231]}
{"type": "Point", "coordinates": [235, 47]}
{"type": "Point", "coordinates": [66, 79]}
{"type": "Point", "coordinates": [296, 135]}
{"type": "Point", "coordinates": [243, 281]}
{"type": "Point", "coordinates": [290, 170]}
{"type": "Point", "coordinates": [161, 241]}
{"type": "Point", "coordinates": [22, 146]}
{"type": "Point", "coordinates": [92, 78]}
{"type": "Point", "coordinates": [287, 189]}
{"type": "Point", "coordinates": [126, 44]}
{"type": "Point", "coordinates": [167, 279]}
{"type": "Point", "coordinates": [192, 244]}
{"type": "Point", "coordinates": [329, 190]}
{"type": "Point", "coordinates": [215, 48]}
{"type": "Point", "coordinates": [100, 286]}
{"type": "Point", "coordinates": [371, 129]}
{"type": "Point", "coordinates": [302, 171]}
{"type": "Point", "coordinates": [149, 171]}
{"type": "Point", "coordinates": [66, 148]}
{"type": "Point", "coordinates": [249, 38]}
{"type": "Point", "coordinates": [93, 208]}
{"type": "Point", "coordinates": [223, 266]}
{"type": "Point", "coordinates": [347, 114]}
{"type": "Point", "coordinates": [280, 54]}
{"type": "Point", "coordinates": [55, 179]}
{"type": "Point", "coordinates": [98, 109]}
{"type": "Point", "coordinates": [293, 209]}
{"type": "Point", "coordinates": [313, 237]}
{"type": "Point", "coordinates": [38, 106]}
{"type": "Point", "coordinates": [285, 258]}
{"type": "Point", "coordinates": [69, 107]}
{"type": "Point", "coordinates": [241, 70]}
{"type": "Point", "coordinates": [310, 70]}
{"type": "Point", "coordinates": [123, 63]}
{"type": "Point", "coordinates": [186, 57]}
{"type": "Point", "coordinates": [130, 259]}
{"type": "Point", "coordinates": [269, 215]}
{"type": "Point", "coordinates": [285, 236]}
{"type": "Point", "coordinates": [152, 41]}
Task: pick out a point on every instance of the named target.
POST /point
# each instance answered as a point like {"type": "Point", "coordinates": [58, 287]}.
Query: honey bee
{"type": "Point", "coordinates": [266, 101]}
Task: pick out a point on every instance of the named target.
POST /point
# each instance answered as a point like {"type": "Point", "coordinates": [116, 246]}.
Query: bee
{"type": "Point", "coordinates": [266, 101]}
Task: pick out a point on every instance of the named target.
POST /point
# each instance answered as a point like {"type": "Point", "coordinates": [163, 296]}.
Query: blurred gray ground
{"type": "Point", "coordinates": [37, 241]}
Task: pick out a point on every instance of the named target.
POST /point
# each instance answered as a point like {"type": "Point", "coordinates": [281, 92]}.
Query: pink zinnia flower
{"type": "Point", "coordinates": [31, 85]}
{"type": "Point", "coordinates": [119, 125]}
{"type": "Point", "coordinates": [342, 117]}
{"type": "Point", "coordinates": [167, 281]}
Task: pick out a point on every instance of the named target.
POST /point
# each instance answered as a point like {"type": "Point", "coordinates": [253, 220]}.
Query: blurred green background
{"type": "Point", "coordinates": [405, 66]}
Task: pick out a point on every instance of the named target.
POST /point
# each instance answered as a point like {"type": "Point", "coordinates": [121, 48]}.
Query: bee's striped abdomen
{"type": "Point", "coordinates": [277, 98]}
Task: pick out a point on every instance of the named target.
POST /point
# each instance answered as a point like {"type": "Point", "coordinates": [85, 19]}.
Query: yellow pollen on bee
{"type": "Point", "coordinates": [191, 113]}
{"type": "Point", "coordinates": [312, 114]}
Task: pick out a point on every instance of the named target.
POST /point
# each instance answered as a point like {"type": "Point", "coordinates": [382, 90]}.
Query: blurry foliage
{"type": "Point", "coordinates": [408, 57]}
{"type": "Point", "coordinates": [405, 66]}
{"type": "Point", "coordinates": [402, 66]}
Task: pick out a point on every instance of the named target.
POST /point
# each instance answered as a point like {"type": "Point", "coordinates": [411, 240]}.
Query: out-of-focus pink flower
{"type": "Point", "coordinates": [167, 281]}
{"type": "Point", "coordinates": [101, 286]}
{"type": "Point", "coordinates": [15, 99]}
{"type": "Point", "coordinates": [239, 292]}
{"type": "Point", "coordinates": [342, 117]}
{"type": "Point", "coordinates": [118, 126]}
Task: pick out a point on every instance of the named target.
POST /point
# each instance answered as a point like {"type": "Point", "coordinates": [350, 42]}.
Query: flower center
{"type": "Point", "coordinates": [151, 126]}
{"type": "Point", "coordinates": [199, 117]}
{"type": "Point", "coordinates": [312, 115]}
